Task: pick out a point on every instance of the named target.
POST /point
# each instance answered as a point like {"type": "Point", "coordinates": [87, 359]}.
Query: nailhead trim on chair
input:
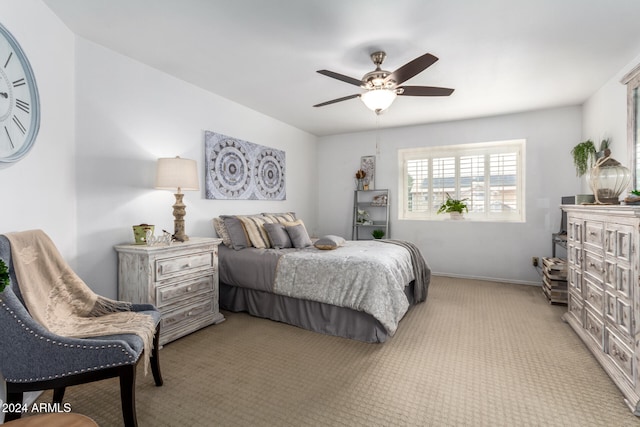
{"type": "Point", "coordinates": [49, 340]}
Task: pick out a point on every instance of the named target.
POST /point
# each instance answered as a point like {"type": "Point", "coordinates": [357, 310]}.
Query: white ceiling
{"type": "Point", "coordinates": [501, 56]}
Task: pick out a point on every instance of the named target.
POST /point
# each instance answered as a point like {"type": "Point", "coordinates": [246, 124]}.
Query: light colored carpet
{"type": "Point", "coordinates": [476, 354]}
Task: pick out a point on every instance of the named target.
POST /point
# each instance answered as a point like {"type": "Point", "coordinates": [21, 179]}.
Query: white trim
{"type": "Point", "coordinates": [488, 279]}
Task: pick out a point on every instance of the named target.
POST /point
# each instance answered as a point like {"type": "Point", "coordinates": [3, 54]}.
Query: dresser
{"type": "Point", "coordinates": [181, 280]}
{"type": "Point", "coordinates": [604, 293]}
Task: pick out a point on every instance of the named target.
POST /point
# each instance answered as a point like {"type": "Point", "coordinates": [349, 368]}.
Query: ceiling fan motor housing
{"type": "Point", "coordinates": [376, 79]}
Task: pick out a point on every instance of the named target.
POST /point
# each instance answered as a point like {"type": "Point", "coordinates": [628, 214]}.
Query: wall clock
{"type": "Point", "coordinates": [19, 102]}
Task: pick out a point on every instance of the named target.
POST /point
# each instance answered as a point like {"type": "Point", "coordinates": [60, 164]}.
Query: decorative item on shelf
{"type": "Point", "coordinates": [360, 174]}
{"type": "Point", "coordinates": [454, 208]}
{"type": "Point", "coordinates": [377, 234]}
{"type": "Point", "coordinates": [178, 174]}
{"type": "Point", "coordinates": [633, 198]}
{"type": "Point", "coordinates": [363, 216]}
{"type": "Point", "coordinates": [379, 200]}
{"type": "Point", "coordinates": [4, 275]}
{"type": "Point", "coordinates": [140, 233]}
{"type": "Point", "coordinates": [608, 179]}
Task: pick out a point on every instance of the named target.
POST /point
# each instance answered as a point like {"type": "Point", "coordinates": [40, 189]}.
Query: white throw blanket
{"type": "Point", "coordinates": [61, 302]}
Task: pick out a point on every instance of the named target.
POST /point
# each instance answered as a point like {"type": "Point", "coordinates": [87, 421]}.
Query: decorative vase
{"type": "Point", "coordinates": [140, 233]}
{"type": "Point", "coordinates": [360, 184]}
{"type": "Point", "coordinates": [608, 179]}
{"type": "Point", "coordinates": [456, 216]}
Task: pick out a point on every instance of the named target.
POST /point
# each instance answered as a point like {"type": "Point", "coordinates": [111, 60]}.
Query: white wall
{"type": "Point", "coordinates": [128, 115]}
{"type": "Point", "coordinates": [605, 115]}
{"type": "Point", "coordinates": [500, 251]}
{"type": "Point", "coordinates": [39, 190]}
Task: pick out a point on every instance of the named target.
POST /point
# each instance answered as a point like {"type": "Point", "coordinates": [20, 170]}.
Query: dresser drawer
{"type": "Point", "coordinates": [594, 265]}
{"type": "Point", "coordinates": [191, 313]}
{"type": "Point", "coordinates": [574, 254]}
{"type": "Point", "coordinates": [181, 291]}
{"type": "Point", "coordinates": [170, 267]}
{"type": "Point", "coordinates": [575, 308]}
{"type": "Point", "coordinates": [621, 354]}
{"type": "Point", "coordinates": [618, 313]}
{"type": "Point", "coordinates": [575, 280]}
{"type": "Point", "coordinates": [594, 297]}
{"type": "Point", "coordinates": [595, 327]}
{"type": "Point", "coordinates": [593, 234]}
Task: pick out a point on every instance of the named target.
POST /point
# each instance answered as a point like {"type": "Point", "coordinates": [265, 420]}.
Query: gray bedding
{"type": "Point", "coordinates": [362, 282]}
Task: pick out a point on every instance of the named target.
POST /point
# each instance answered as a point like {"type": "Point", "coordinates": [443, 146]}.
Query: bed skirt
{"type": "Point", "coordinates": [311, 315]}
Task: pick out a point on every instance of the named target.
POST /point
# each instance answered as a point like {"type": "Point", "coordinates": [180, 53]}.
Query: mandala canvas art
{"type": "Point", "coordinates": [237, 169]}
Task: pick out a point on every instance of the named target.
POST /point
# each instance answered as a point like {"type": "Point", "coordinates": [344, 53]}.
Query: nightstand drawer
{"type": "Point", "coordinates": [175, 292]}
{"type": "Point", "coordinates": [187, 314]}
{"type": "Point", "coordinates": [169, 267]}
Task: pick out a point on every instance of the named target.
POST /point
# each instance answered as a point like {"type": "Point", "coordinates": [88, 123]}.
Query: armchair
{"type": "Point", "coordinates": [32, 358]}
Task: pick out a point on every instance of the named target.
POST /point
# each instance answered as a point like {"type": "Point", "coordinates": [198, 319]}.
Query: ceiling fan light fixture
{"type": "Point", "coordinates": [378, 100]}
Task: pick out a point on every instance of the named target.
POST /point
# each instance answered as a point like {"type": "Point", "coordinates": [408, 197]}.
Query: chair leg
{"type": "Point", "coordinates": [58, 394]}
{"type": "Point", "coordinates": [128, 395]}
{"type": "Point", "coordinates": [14, 405]}
{"type": "Point", "coordinates": [155, 358]}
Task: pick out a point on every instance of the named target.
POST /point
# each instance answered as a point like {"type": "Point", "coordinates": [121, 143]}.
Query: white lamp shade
{"type": "Point", "coordinates": [177, 173]}
{"type": "Point", "coordinates": [378, 99]}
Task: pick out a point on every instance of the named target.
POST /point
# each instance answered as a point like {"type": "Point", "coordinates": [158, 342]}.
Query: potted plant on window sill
{"type": "Point", "coordinates": [454, 207]}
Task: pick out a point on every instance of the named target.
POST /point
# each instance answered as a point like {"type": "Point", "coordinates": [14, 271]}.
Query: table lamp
{"type": "Point", "coordinates": [177, 174]}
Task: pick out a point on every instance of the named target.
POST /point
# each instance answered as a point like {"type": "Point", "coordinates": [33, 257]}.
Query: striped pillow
{"type": "Point", "coordinates": [254, 226]}
{"type": "Point", "coordinates": [280, 218]}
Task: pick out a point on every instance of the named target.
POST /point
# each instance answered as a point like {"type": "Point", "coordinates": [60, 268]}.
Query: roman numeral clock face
{"type": "Point", "coordinates": [19, 103]}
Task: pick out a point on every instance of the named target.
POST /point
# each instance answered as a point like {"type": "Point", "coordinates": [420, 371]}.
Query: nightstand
{"type": "Point", "coordinates": [181, 280]}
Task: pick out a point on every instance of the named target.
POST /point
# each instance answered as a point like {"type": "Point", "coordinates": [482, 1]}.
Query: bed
{"type": "Point", "coordinates": [359, 290]}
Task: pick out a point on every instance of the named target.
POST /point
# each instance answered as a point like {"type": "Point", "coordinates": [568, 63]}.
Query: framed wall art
{"type": "Point", "coordinates": [368, 164]}
{"type": "Point", "coordinates": [237, 169]}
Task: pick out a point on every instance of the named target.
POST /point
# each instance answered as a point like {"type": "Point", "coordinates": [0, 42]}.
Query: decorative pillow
{"type": "Point", "coordinates": [237, 234]}
{"type": "Point", "coordinates": [254, 226]}
{"type": "Point", "coordinates": [298, 235]}
{"type": "Point", "coordinates": [281, 217]}
{"type": "Point", "coordinates": [221, 231]}
{"type": "Point", "coordinates": [278, 236]}
{"type": "Point", "coordinates": [329, 242]}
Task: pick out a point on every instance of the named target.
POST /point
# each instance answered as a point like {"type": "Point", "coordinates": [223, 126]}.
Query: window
{"type": "Point", "coordinates": [490, 176]}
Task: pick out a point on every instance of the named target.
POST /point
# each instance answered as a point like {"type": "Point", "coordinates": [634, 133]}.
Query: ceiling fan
{"type": "Point", "coordinates": [381, 87]}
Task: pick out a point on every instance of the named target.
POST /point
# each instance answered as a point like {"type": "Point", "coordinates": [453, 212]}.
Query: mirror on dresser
{"type": "Point", "coordinates": [632, 80]}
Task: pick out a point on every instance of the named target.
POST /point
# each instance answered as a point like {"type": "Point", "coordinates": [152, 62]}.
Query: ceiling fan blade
{"type": "Point", "coordinates": [333, 101]}
{"type": "Point", "coordinates": [340, 77]}
{"type": "Point", "coordinates": [425, 91]}
{"type": "Point", "coordinates": [411, 68]}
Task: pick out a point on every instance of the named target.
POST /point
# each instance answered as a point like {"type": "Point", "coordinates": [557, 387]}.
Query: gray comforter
{"type": "Point", "coordinates": [362, 275]}
{"type": "Point", "coordinates": [367, 276]}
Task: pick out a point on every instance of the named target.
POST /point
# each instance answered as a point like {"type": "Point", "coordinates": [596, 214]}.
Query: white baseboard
{"type": "Point", "coordinates": [489, 279]}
